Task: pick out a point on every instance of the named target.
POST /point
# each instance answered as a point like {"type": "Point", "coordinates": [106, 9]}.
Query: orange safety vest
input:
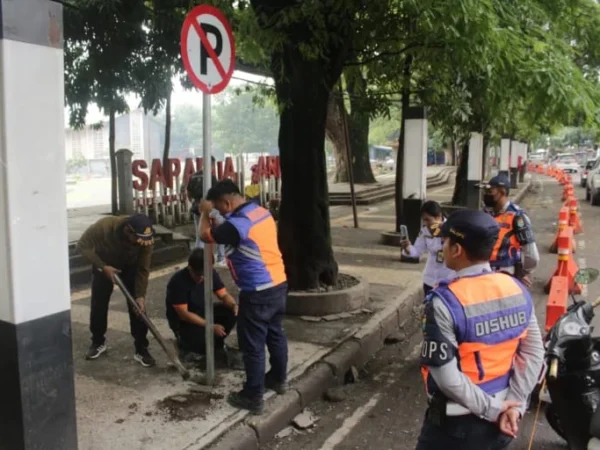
{"type": "Point", "coordinates": [491, 313]}
{"type": "Point", "coordinates": [507, 251]}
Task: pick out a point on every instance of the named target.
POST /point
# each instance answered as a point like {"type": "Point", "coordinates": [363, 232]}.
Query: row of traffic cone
{"type": "Point", "coordinates": [562, 282]}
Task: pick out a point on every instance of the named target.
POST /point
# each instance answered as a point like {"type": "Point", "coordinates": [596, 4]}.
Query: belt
{"type": "Point", "coordinates": [455, 409]}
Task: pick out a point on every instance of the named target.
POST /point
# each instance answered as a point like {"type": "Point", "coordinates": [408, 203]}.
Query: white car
{"type": "Point", "coordinates": [566, 162]}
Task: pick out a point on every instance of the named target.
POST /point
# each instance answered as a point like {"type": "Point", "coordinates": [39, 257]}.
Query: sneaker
{"type": "Point", "coordinates": [280, 387]}
{"type": "Point", "coordinates": [144, 358]}
{"type": "Point", "coordinates": [239, 400]}
{"type": "Point", "coordinates": [95, 351]}
{"type": "Point", "coordinates": [221, 264]}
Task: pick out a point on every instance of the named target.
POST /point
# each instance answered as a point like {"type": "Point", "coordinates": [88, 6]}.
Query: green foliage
{"type": "Point", "coordinates": [239, 124]}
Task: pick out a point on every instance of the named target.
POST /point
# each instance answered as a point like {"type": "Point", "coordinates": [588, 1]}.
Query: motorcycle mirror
{"type": "Point", "coordinates": [586, 276]}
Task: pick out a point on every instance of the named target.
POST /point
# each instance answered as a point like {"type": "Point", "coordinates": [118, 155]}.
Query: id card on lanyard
{"type": "Point", "coordinates": [439, 256]}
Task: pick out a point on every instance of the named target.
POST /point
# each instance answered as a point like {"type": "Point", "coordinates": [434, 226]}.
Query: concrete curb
{"type": "Point", "coordinates": [522, 192]}
{"type": "Point", "coordinates": [331, 369]}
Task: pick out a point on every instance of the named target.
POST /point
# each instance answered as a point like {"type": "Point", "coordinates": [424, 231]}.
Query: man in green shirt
{"type": "Point", "coordinates": [123, 246]}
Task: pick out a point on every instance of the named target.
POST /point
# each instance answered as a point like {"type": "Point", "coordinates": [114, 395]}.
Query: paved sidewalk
{"type": "Point", "coordinates": [122, 405]}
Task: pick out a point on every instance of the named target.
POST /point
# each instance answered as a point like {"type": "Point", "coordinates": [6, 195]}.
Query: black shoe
{"type": "Point", "coordinates": [144, 358]}
{"type": "Point", "coordinates": [95, 351]}
{"type": "Point", "coordinates": [280, 387]}
{"type": "Point", "coordinates": [239, 400]}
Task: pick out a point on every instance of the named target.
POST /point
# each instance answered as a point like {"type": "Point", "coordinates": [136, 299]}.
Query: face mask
{"type": "Point", "coordinates": [489, 201]}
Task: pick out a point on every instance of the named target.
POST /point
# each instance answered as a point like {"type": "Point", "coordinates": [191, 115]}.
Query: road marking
{"type": "Point", "coordinates": [340, 434]}
{"type": "Point", "coordinates": [581, 244]}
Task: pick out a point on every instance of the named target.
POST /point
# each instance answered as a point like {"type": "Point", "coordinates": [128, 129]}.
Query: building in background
{"type": "Point", "coordinates": [141, 133]}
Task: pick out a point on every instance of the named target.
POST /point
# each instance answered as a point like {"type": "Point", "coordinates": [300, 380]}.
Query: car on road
{"type": "Point", "coordinates": [589, 165]}
{"type": "Point", "coordinates": [592, 190]}
{"type": "Point", "coordinates": [566, 162]}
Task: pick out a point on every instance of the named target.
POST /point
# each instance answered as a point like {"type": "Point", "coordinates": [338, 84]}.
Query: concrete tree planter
{"type": "Point", "coordinates": [304, 303]}
{"type": "Point", "coordinates": [391, 238]}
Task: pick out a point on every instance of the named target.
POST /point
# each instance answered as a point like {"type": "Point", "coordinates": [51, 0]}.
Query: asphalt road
{"type": "Point", "coordinates": [385, 408]}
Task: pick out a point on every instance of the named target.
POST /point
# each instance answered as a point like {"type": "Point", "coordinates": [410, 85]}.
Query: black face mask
{"type": "Point", "coordinates": [489, 200]}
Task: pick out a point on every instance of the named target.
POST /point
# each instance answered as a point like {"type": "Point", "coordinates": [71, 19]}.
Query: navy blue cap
{"type": "Point", "coordinates": [142, 227]}
{"type": "Point", "coordinates": [470, 227]}
{"type": "Point", "coordinates": [497, 181]}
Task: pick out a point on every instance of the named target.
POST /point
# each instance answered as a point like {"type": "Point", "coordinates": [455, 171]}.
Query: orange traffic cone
{"type": "Point", "coordinates": [563, 221]}
{"type": "Point", "coordinates": [566, 264]}
{"type": "Point", "coordinates": [574, 220]}
{"type": "Point", "coordinates": [568, 191]}
{"type": "Point", "coordinates": [557, 300]}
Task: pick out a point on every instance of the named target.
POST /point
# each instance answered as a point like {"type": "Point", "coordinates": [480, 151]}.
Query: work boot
{"type": "Point", "coordinates": [280, 387]}
{"type": "Point", "coordinates": [256, 405]}
{"type": "Point", "coordinates": [95, 351]}
{"type": "Point", "coordinates": [144, 358]}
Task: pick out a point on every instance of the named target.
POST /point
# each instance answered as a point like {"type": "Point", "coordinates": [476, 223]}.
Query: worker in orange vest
{"type": "Point", "coordinates": [482, 349]}
{"type": "Point", "coordinates": [515, 251]}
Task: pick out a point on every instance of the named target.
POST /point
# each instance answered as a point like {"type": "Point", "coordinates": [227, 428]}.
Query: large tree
{"type": "Point", "coordinates": [307, 45]}
{"type": "Point", "coordinates": [102, 41]}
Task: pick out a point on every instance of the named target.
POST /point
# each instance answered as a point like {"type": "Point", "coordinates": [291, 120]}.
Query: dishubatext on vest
{"type": "Point", "coordinates": [502, 323]}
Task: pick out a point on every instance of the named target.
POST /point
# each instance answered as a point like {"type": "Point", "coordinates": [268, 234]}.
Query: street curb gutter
{"type": "Point", "coordinates": [356, 351]}
{"type": "Point", "coordinates": [523, 192]}
{"type": "Point", "coordinates": [401, 315]}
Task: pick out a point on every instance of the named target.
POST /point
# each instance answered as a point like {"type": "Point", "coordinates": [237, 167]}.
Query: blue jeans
{"type": "Point", "coordinates": [260, 320]}
{"type": "Point", "coordinates": [200, 244]}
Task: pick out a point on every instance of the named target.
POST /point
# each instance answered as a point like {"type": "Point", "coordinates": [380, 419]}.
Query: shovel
{"type": "Point", "coordinates": [185, 374]}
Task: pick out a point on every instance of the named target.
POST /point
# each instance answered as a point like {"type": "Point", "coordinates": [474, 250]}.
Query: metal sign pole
{"type": "Point", "coordinates": [208, 256]}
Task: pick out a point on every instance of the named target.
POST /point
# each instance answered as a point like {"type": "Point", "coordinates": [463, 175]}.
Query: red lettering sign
{"type": "Point", "coordinates": [156, 174]}
{"type": "Point", "coordinates": [141, 184]}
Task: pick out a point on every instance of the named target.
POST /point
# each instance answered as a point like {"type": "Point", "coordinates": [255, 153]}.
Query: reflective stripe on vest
{"type": "Point", "coordinates": [256, 263]}
{"type": "Point", "coordinates": [491, 313]}
{"type": "Point", "coordinates": [507, 251]}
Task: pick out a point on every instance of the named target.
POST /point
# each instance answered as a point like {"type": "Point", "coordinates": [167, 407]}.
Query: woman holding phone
{"type": "Point", "coordinates": [429, 241]}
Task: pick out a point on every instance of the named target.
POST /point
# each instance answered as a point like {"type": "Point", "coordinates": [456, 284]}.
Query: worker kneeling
{"type": "Point", "coordinates": [185, 308]}
{"type": "Point", "coordinates": [482, 349]}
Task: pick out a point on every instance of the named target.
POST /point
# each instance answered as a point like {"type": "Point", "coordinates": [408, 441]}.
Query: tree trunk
{"type": "Point", "coordinates": [113, 162]}
{"type": "Point", "coordinates": [459, 197]}
{"type": "Point", "coordinates": [358, 132]}
{"type": "Point", "coordinates": [358, 129]}
{"type": "Point", "coordinates": [406, 73]}
{"type": "Point", "coordinates": [334, 130]}
{"type": "Point", "coordinates": [304, 231]}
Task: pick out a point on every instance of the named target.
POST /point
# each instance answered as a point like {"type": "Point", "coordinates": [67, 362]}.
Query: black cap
{"type": "Point", "coordinates": [142, 227]}
{"type": "Point", "coordinates": [470, 228]}
{"type": "Point", "coordinates": [497, 181]}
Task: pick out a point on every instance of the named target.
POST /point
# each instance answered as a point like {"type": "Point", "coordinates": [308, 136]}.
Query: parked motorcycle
{"type": "Point", "coordinates": [572, 388]}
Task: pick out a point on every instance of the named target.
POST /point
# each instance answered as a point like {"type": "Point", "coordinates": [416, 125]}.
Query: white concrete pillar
{"type": "Point", "coordinates": [414, 179]}
{"type": "Point", "coordinates": [504, 165]}
{"type": "Point", "coordinates": [474, 170]}
{"type": "Point", "coordinates": [37, 406]}
{"type": "Point", "coordinates": [514, 155]}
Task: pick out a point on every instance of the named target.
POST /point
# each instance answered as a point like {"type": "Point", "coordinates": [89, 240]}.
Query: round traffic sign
{"type": "Point", "coordinates": [208, 49]}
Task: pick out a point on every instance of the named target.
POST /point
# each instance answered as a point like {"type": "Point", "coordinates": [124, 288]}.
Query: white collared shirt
{"type": "Point", "coordinates": [435, 269]}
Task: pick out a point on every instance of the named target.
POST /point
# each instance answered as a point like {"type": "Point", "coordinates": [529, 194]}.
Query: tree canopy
{"type": "Point", "coordinates": [517, 67]}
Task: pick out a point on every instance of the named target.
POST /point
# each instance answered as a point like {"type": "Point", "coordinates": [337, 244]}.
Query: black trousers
{"type": "Point", "coordinates": [426, 289]}
{"type": "Point", "coordinates": [102, 289]}
{"type": "Point", "coordinates": [462, 432]}
{"type": "Point", "coordinates": [192, 338]}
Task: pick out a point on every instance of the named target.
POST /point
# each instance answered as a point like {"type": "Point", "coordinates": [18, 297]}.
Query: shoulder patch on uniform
{"type": "Point", "coordinates": [520, 222]}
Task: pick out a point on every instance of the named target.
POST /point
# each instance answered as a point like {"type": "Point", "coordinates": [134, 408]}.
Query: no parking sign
{"type": "Point", "coordinates": [208, 49]}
